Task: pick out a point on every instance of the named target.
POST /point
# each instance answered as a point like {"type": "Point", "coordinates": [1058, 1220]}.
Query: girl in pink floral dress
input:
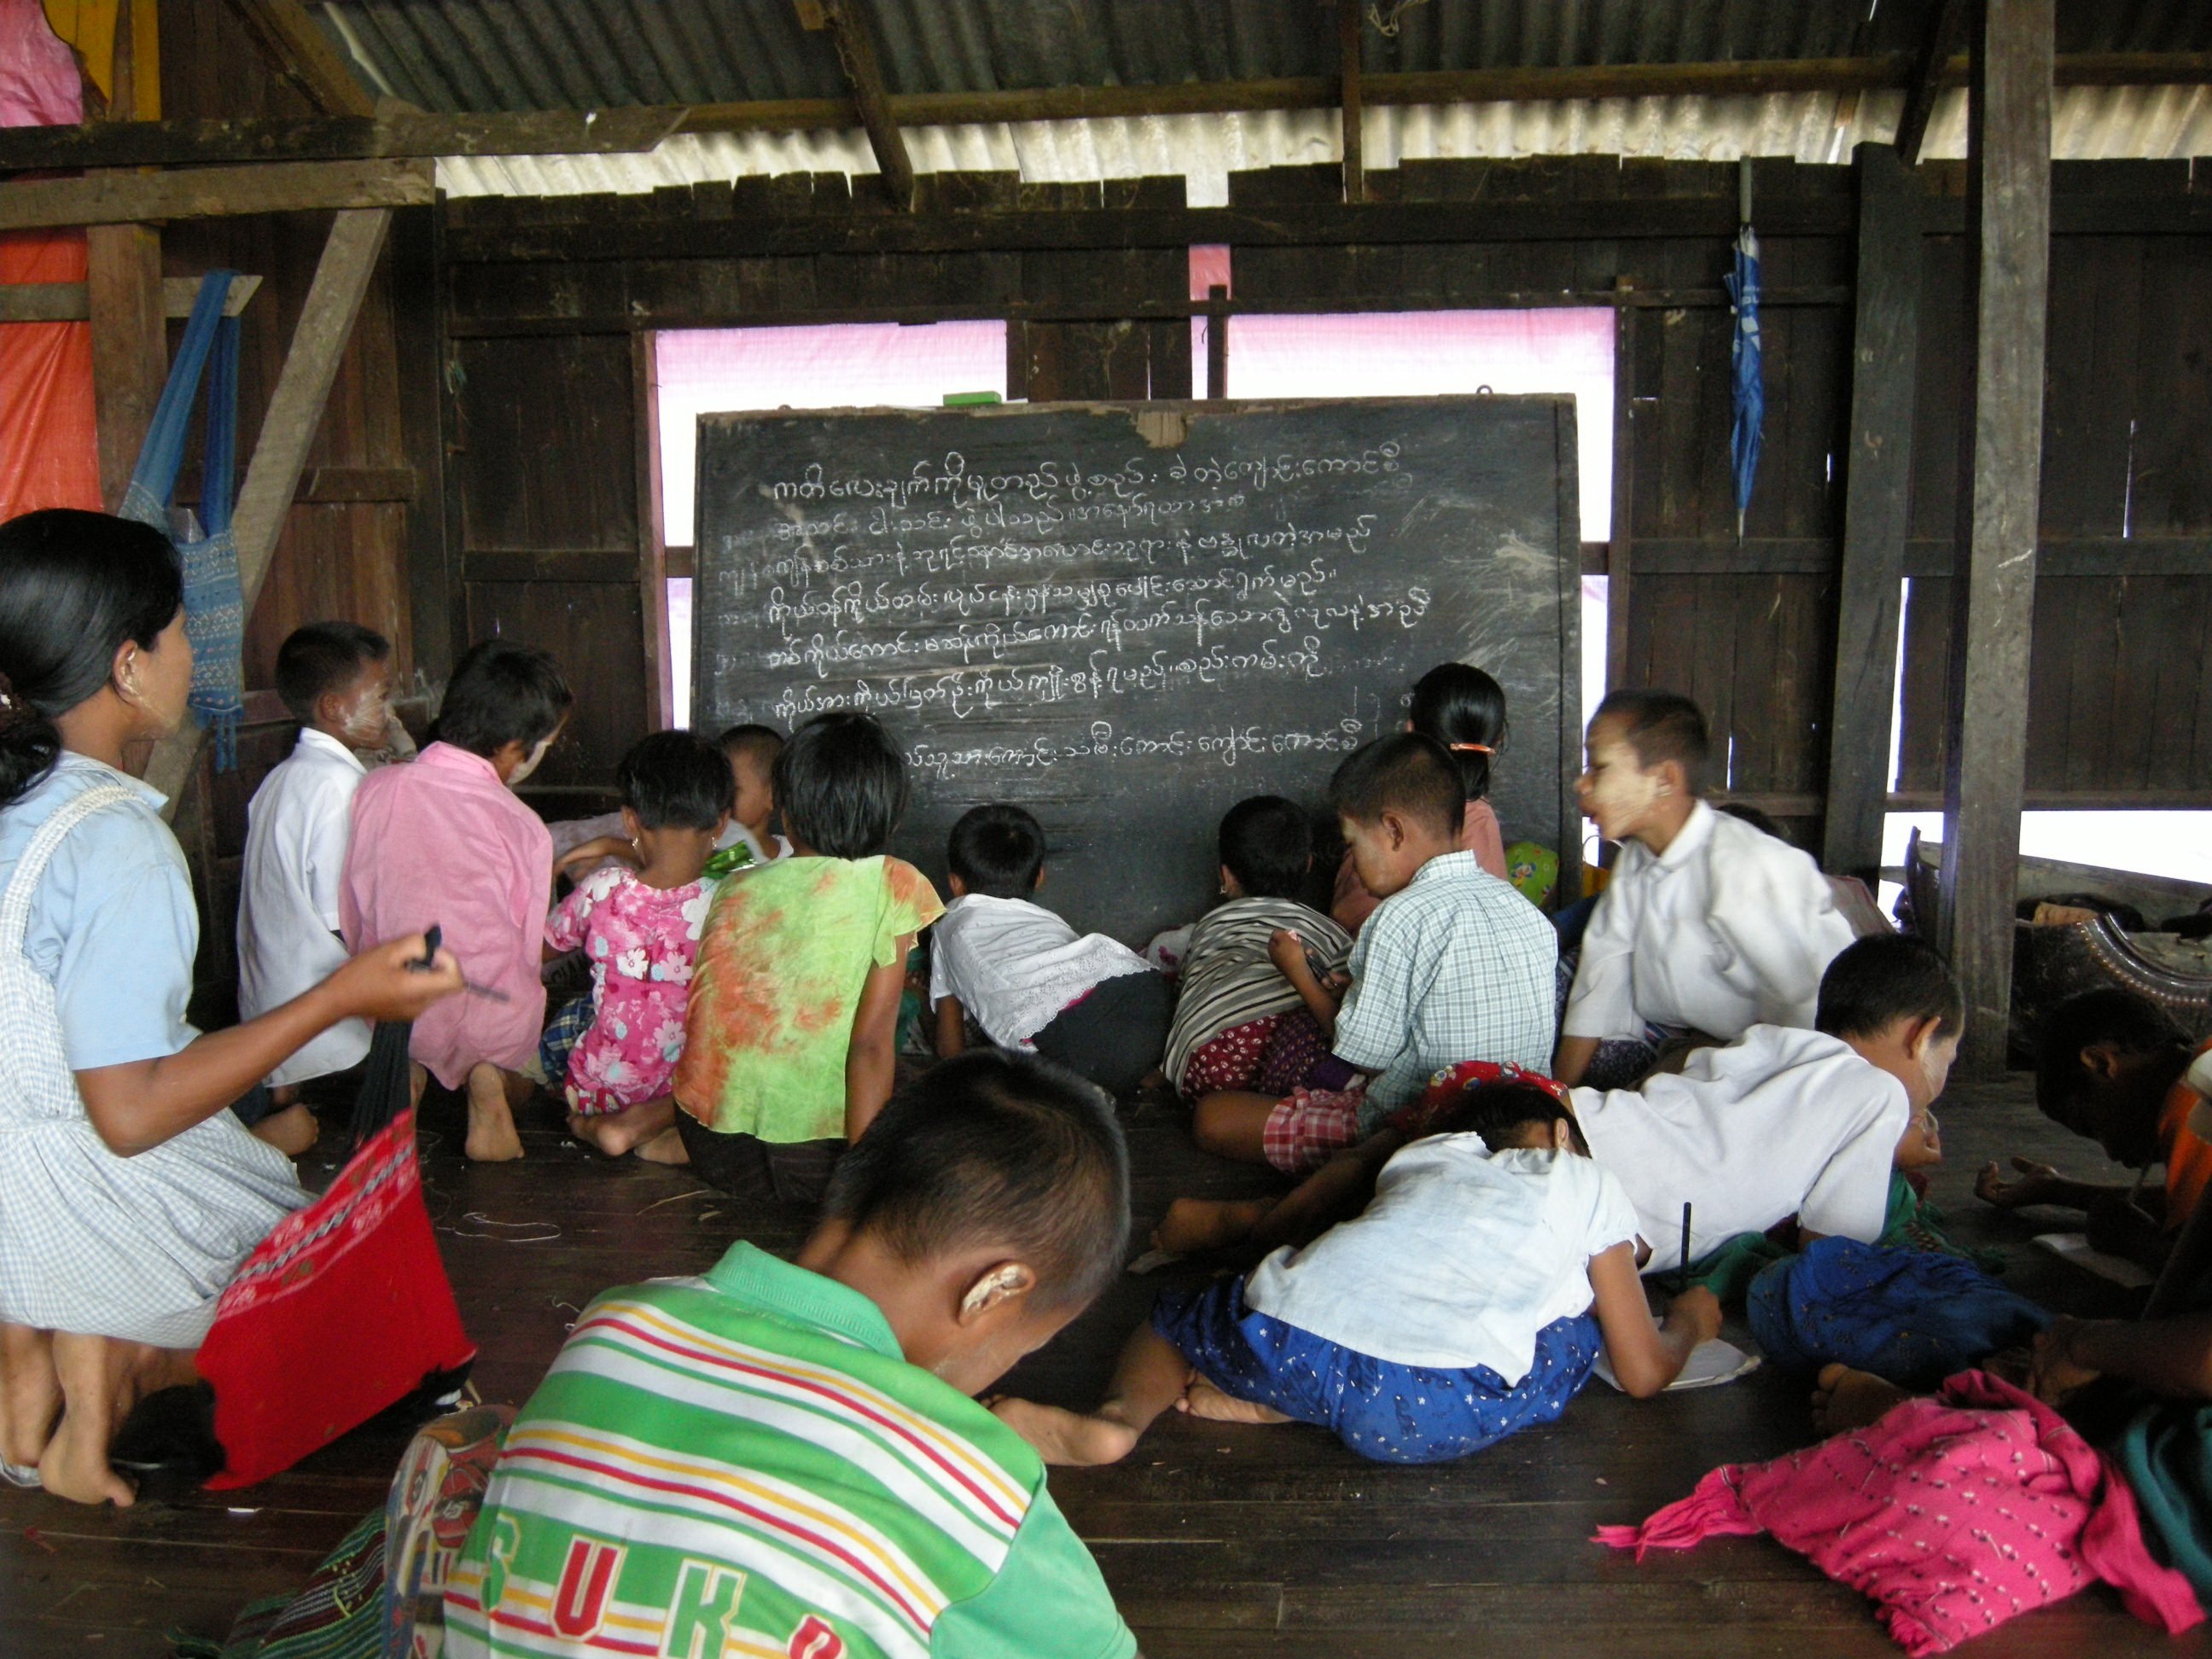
{"type": "Point", "coordinates": [638, 928]}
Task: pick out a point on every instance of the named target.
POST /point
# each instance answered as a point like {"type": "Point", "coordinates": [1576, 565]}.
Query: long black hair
{"type": "Point", "coordinates": [74, 586]}
{"type": "Point", "coordinates": [1464, 710]}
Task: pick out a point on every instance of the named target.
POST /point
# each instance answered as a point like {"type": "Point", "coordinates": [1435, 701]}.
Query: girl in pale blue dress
{"type": "Point", "coordinates": [127, 1194]}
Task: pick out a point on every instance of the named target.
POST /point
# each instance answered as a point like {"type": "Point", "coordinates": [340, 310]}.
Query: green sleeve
{"type": "Point", "coordinates": [1047, 1601]}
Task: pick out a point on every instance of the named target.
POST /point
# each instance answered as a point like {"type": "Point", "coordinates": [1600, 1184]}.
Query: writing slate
{"type": "Point", "coordinates": [1127, 617]}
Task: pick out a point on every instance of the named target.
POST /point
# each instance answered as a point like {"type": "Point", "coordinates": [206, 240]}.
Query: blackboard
{"type": "Point", "coordinates": [1125, 618]}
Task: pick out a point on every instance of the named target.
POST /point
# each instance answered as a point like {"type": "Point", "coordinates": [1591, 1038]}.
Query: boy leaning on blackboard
{"type": "Point", "coordinates": [1454, 965]}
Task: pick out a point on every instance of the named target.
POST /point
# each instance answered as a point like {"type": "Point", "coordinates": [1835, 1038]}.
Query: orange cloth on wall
{"type": "Point", "coordinates": [49, 455]}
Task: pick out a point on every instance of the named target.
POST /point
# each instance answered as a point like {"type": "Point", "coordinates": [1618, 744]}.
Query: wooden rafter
{"type": "Point", "coordinates": [1348, 24]}
{"type": "Point", "coordinates": [213, 193]}
{"type": "Point", "coordinates": [71, 302]}
{"type": "Point", "coordinates": [1945, 27]}
{"type": "Point", "coordinates": [863, 75]}
{"type": "Point", "coordinates": [303, 55]}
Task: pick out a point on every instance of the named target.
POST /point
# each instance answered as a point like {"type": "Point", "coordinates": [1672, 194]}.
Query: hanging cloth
{"type": "Point", "coordinates": [214, 604]}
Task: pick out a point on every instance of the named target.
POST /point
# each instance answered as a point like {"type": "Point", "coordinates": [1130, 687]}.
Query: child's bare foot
{"type": "Point", "coordinates": [1202, 1399]}
{"type": "Point", "coordinates": [30, 1394]}
{"type": "Point", "coordinates": [492, 1138]}
{"type": "Point", "coordinates": [625, 1130]}
{"type": "Point", "coordinates": [1067, 1437]}
{"type": "Point", "coordinates": [1846, 1399]}
{"type": "Point", "coordinates": [666, 1147]}
{"type": "Point", "coordinates": [1193, 1224]}
{"type": "Point", "coordinates": [291, 1130]}
{"type": "Point", "coordinates": [75, 1466]}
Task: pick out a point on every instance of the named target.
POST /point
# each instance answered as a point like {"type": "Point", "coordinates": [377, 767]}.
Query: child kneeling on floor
{"type": "Point", "coordinates": [639, 931]}
{"type": "Point", "coordinates": [785, 1456]}
{"type": "Point", "coordinates": [1468, 1301]}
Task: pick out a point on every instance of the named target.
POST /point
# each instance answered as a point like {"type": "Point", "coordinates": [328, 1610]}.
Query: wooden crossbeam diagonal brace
{"type": "Point", "coordinates": [303, 55]}
{"type": "Point", "coordinates": [864, 74]}
{"type": "Point", "coordinates": [1946, 28]}
{"type": "Point", "coordinates": [295, 411]}
{"type": "Point", "coordinates": [70, 302]}
{"type": "Point", "coordinates": [213, 193]}
{"type": "Point", "coordinates": [339, 138]}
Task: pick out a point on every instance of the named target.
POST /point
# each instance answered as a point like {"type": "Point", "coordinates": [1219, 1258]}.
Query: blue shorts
{"type": "Point", "coordinates": [1392, 1413]}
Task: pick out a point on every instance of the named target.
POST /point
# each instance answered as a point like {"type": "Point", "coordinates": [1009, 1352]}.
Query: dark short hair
{"type": "Point", "coordinates": [676, 780]}
{"type": "Point", "coordinates": [841, 785]}
{"type": "Point", "coordinates": [1405, 773]}
{"type": "Point", "coordinates": [1764, 822]}
{"type": "Point", "coordinates": [1875, 982]}
{"type": "Point", "coordinates": [998, 1148]}
{"type": "Point", "coordinates": [2108, 1016]}
{"type": "Point", "coordinates": [997, 850]}
{"type": "Point", "coordinates": [1661, 726]}
{"type": "Point", "coordinates": [760, 744]}
{"type": "Point", "coordinates": [502, 693]}
{"type": "Point", "coordinates": [1464, 710]}
{"type": "Point", "coordinates": [1499, 1112]}
{"type": "Point", "coordinates": [324, 656]}
{"type": "Point", "coordinates": [1266, 843]}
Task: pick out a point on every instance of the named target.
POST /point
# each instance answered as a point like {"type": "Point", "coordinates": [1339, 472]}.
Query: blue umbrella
{"type": "Point", "coordinates": [1748, 391]}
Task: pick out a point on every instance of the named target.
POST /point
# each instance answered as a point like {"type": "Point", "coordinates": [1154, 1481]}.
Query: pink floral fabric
{"type": "Point", "coordinates": [642, 943]}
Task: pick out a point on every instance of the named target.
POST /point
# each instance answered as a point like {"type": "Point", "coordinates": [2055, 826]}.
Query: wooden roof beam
{"type": "Point", "coordinates": [213, 193]}
{"type": "Point", "coordinates": [303, 55]}
{"type": "Point", "coordinates": [864, 74]}
{"type": "Point", "coordinates": [1946, 28]}
{"type": "Point", "coordinates": [1348, 25]}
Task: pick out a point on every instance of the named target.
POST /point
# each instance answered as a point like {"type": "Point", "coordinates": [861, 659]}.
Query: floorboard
{"type": "Point", "coordinates": [1220, 1541]}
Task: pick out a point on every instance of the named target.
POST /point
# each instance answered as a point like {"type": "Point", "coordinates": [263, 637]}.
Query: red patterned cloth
{"type": "Point", "coordinates": [1448, 1089]}
{"type": "Point", "coordinates": [340, 1312]}
{"type": "Point", "coordinates": [1230, 1060]}
{"type": "Point", "coordinates": [1311, 1126]}
{"type": "Point", "coordinates": [1955, 1513]}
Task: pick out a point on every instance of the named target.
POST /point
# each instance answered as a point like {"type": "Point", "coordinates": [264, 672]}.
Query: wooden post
{"type": "Point", "coordinates": [1944, 26]}
{"type": "Point", "coordinates": [1619, 559]}
{"type": "Point", "coordinates": [863, 75]}
{"type": "Point", "coordinates": [295, 411]}
{"type": "Point", "coordinates": [1348, 24]}
{"type": "Point", "coordinates": [1217, 340]}
{"type": "Point", "coordinates": [651, 542]}
{"type": "Point", "coordinates": [123, 296]}
{"type": "Point", "coordinates": [2008, 277]}
{"type": "Point", "coordinates": [1877, 483]}
{"type": "Point", "coordinates": [418, 345]}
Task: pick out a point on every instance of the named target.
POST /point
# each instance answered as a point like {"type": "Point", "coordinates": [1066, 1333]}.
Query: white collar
{"type": "Point", "coordinates": [322, 743]}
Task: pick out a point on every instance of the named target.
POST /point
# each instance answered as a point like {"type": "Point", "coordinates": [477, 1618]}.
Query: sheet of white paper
{"type": "Point", "coordinates": [2075, 1248]}
{"type": "Point", "coordinates": [1152, 1261]}
{"type": "Point", "coordinates": [1711, 1365]}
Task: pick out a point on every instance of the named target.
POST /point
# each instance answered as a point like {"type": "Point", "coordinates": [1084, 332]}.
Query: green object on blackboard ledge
{"type": "Point", "coordinates": [969, 399]}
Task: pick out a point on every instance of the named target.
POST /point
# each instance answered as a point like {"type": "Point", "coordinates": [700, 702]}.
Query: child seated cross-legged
{"type": "Point", "coordinates": [1468, 1301]}
{"type": "Point", "coordinates": [786, 1457]}
{"type": "Point", "coordinates": [1454, 965]}
{"type": "Point", "coordinates": [639, 931]}
{"type": "Point", "coordinates": [442, 841]}
{"type": "Point", "coordinates": [1090, 1004]}
{"type": "Point", "coordinates": [792, 1027]}
{"type": "Point", "coordinates": [1708, 927]}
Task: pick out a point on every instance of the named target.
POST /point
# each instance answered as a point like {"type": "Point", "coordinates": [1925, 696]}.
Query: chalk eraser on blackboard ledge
{"type": "Point", "coordinates": [968, 399]}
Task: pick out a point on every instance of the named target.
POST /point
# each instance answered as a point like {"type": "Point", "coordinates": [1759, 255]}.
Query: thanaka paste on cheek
{"type": "Point", "coordinates": [1622, 796]}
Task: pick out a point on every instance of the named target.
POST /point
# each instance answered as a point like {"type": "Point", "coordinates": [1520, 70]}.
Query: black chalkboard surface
{"type": "Point", "coordinates": [1125, 618]}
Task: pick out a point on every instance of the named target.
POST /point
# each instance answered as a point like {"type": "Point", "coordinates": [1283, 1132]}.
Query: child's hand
{"type": "Point", "coordinates": [390, 982]}
{"type": "Point", "coordinates": [2036, 1184]}
{"type": "Point", "coordinates": [1697, 1308]}
{"type": "Point", "coordinates": [1288, 952]}
{"type": "Point", "coordinates": [584, 853]}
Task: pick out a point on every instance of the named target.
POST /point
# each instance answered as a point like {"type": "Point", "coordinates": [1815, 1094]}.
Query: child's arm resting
{"type": "Point", "coordinates": [871, 1056]}
{"type": "Point", "coordinates": [1646, 1355]}
{"type": "Point", "coordinates": [1336, 1192]}
{"type": "Point", "coordinates": [1571, 1063]}
{"type": "Point", "coordinates": [2037, 1183]}
{"type": "Point", "coordinates": [2170, 1357]}
{"type": "Point", "coordinates": [1288, 952]}
{"type": "Point", "coordinates": [952, 1028]}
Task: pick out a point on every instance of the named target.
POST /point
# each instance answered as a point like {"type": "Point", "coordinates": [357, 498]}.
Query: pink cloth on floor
{"type": "Point", "coordinates": [442, 840]}
{"type": "Point", "coordinates": [1955, 1513]}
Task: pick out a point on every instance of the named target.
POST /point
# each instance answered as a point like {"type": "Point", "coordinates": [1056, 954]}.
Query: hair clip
{"type": "Point", "coordinates": [1471, 749]}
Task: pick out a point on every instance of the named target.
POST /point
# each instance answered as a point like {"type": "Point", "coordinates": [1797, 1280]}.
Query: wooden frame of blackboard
{"type": "Point", "coordinates": [1549, 680]}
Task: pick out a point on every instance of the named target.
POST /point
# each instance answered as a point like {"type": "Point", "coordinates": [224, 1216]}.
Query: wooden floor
{"type": "Point", "coordinates": [1218, 1541]}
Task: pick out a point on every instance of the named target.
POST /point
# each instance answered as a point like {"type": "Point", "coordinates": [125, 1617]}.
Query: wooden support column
{"type": "Point", "coordinates": [1217, 340]}
{"type": "Point", "coordinates": [1930, 74]}
{"type": "Point", "coordinates": [1620, 560]}
{"type": "Point", "coordinates": [2008, 279]}
{"type": "Point", "coordinates": [123, 298]}
{"type": "Point", "coordinates": [1348, 26]}
{"type": "Point", "coordinates": [652, 539]}
{"type": "Point", "coordinates": [295, 411]}
{"type": "Point", "coordinates": [856, 52]}
{"type": "Point", "coordinates": [1877, 484]}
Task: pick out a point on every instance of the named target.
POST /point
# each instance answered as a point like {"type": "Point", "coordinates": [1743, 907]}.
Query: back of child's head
{"type": "Point", "coordinates": [1266, 843]}
{"type": "Point", "coordinates": [997, 850]}
{"type": "Point", "coordinates": [1764, 822]}
{"type": "Point", "coordinates": [1507, 1115]}
{"type": "Point", "coordinates": [841, 785]}
{"type": "Point", "coordinates": [676, 780]}
{"type": "Point", "coordinates": [1661, 726]}
{"type": "Point", "coordinates": [756, 745]}
{"type": "Point", "coordinates": [1875, 983]}
{"type": "Point", "coordinates": [502, 693]}
{"type": "Point", "coordinates": [1464, 710]}
{"type": "Point", "coordinates": [1406, 773]}
{"type": "Point", "coordinates": [321, 658]}
{"type": "Point", "coordinates": [2108, 1017]}
{"type": "Point", "coordinates": [997, 1150]}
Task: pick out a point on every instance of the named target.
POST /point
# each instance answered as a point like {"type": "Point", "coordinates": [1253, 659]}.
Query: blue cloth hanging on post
{"type": "Point", "coordinates": [1748, 389]}
{"type": "Point", "coordinates": [214, 603]}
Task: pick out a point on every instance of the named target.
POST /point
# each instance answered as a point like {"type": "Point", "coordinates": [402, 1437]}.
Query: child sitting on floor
{"type": "Point", "coordinates": [336, 680]}
{"type": "Point", "coordinates": [1453, 965]}
{"type": "Point", "coordinates": [793, 1023]}
{"type": "Point", "coordinates": [1017, 971]}
{"type": "Point", "coordinates": [1468, 1301]}
{"type": "Point", "coordinates": [747, 842]}
{"type": "Point", "coordinates": [639, 931]}
{"type": "Point", "coordinates": [1708, 927]}
{"type": "Point", "coordinates": [1238, 1023]}
{"type": "Point", "coordinates": [443, 841]}
{"type": "Point", "coordinates": [785, 1457]}
{"type": "Point", "coordinates": [1464, 710]}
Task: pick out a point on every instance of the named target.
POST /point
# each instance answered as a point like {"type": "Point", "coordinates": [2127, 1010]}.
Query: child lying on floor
{"type": "Point", "coordinates": [1467, 1302]}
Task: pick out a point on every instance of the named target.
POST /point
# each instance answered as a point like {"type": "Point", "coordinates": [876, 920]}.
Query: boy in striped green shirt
{"type": "Point", "coordinates": [785, 1460]}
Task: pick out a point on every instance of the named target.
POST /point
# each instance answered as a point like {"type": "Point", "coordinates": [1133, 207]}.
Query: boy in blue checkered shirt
{"type": "Point", "coordinates": [1454, 965]}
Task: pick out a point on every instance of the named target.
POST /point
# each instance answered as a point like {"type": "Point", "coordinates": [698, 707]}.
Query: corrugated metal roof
{"type": "Point", "coordinates": [515, 54]}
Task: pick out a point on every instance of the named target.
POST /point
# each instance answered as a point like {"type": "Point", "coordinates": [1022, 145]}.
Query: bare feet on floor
{"type": "Point", "coordinates": [628, 1130]}
{"type": "Point", "coordinates": [1846, 1399]}
{"type": "Point", "coordinates": [492, 1138]}
{"type": "Point", "coordinates": [1202, 1399]}
{"type": "Point", "coordinates": [1193, 1224]}
{"type": "Point", "coordinates": [1065, 1438]}
{"type": "Point", "coordinates": [30, 1394]}
{"type": "Point", "coordinates": [666, 1147]}
{"type": "Point", "coordinates": [291, 1130]}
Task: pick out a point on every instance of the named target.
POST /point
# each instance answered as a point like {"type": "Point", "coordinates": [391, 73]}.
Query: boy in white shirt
{"type": "Point", "coordinates": [1018, 972]}
{"type": "Point", "coordinates": [336, 679]}
{"type": "Point", "coordinates": [1707, 926]}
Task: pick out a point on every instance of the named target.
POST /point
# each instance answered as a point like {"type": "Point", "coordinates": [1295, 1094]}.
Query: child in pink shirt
{"type": "Point", "coordinates": [443, 840]}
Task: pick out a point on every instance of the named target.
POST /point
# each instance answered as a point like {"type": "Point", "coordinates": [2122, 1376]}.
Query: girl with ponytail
{"type": "Point", "coordinates": [1464, 710]}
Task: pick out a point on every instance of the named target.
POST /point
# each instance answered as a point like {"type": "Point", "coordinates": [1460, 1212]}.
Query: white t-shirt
{"type": "Point", "coordinates": [736, 834]}
{"type": "Point", "coordinates": [1784, 1123]}
{"type": "Point", "coordinates": [1462, 1258]}
{"type": "Point", "coordinates": [296, 830]}
{"type": "Point", "coordinates": [1016, 966]}
{"type": "Point", "coordinates": [1728, 929]}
